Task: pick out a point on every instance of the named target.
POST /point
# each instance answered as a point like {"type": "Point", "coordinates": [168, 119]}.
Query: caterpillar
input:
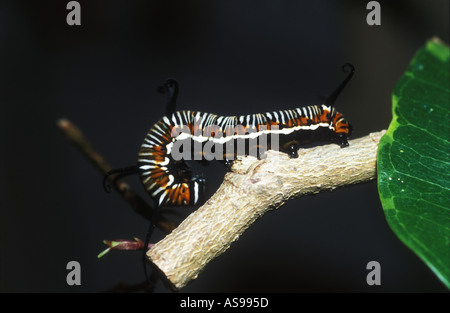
{"type": "Point", "coordinates": [182, 135]}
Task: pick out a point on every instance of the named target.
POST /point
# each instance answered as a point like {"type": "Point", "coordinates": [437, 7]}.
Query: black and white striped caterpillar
{"type": "Point", "coordinates": [161, 163]}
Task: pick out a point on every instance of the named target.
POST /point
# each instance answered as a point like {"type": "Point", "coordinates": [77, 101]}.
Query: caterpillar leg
{"type": "Point", "coordinates": [228, 164]}
{"type": "Point", "coordinates": [198, 188]}
{"type": "Point", "coordinates": [342, 140]}
{"type": "Point", "coordinates": [117, 174]}
{"type": "Point", "coordinates": [293, 150]}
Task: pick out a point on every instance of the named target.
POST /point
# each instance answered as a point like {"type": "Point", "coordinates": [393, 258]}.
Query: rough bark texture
{"type": "Point", "coordinates": [253, 188]}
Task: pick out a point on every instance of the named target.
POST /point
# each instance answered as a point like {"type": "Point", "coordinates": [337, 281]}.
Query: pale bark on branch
{"type": "Point", "coordinates": [251, 189]}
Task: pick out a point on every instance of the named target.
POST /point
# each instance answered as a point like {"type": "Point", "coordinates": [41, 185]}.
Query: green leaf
{"type": "Point", "coordinates": [413, 159]}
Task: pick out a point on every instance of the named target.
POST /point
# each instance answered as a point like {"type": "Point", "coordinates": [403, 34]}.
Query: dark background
{"type": "Point", "coordinates": [230, 58]}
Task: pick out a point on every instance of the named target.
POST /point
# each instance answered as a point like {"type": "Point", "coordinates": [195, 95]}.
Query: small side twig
{"type": "Point", "coordinates": [124, 245]}
{"type": "Point", "coordinates": [76, 137]}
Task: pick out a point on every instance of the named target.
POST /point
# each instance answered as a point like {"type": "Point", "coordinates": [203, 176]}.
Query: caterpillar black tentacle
{"type": "Point", "coordinates": [170, 87]}
{"type": "Point", "coordinates": [347, 67]}
{"type": "Point", "coordinates": [120, 172]}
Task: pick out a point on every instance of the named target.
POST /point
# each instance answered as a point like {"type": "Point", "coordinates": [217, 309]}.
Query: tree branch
{"type": "Point", "coordinates": [253, 188]}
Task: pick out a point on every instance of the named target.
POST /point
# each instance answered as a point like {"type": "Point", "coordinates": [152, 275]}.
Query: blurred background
{"type": "Point", "coordinates": [230, 58]}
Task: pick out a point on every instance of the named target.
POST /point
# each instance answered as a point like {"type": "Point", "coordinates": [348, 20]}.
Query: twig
{"type": "Point", "coordinates": [253, 188]}
{"type": "Point", "coordinates": [125, 245]}
{"type": "Point", "coordinates": [76, 137]}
